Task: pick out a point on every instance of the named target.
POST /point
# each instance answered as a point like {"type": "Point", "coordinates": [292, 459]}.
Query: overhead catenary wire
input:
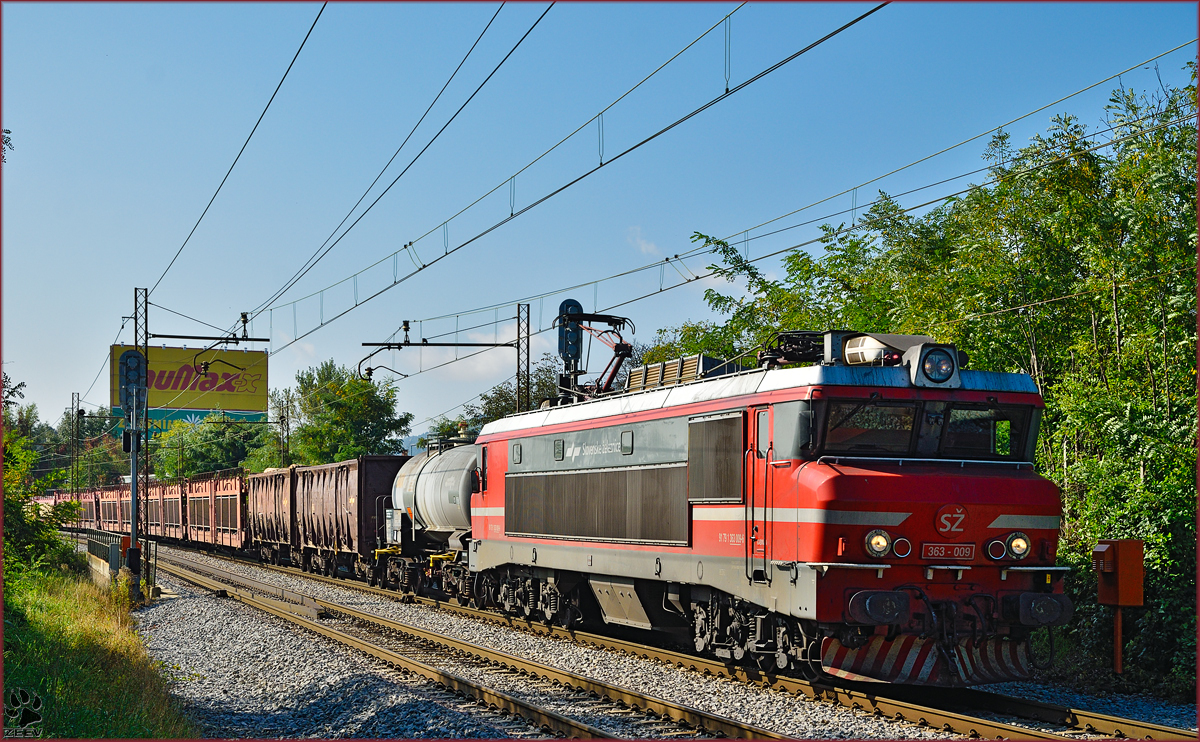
{"type": "Point", "coordinates": [124, 320]}
{"type": "Point", "coordinates": [862, 226]}
{"type": "Point", "coordinates": [193, 319]}
{"type": "Point", "coordinates": [707, 250]}
{"type": "Point", "coordinates": [588, 173]}
{"type": "Point", "coordinates": [239, 154]}
{"type": "Point", "coordinates": [511, 180]}
{"type": "Point", "coordinates": [367, 210]}
{"type": "Point", "coordinates": [972, 139]}
{"type": "Point", "coordinates": [316, 256]}
{"type": "Point", "coordinates": [869, 222]}
{"type": "Point", "coordinates": [746, 238]}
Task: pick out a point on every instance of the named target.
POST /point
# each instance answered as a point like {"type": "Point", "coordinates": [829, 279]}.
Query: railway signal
{"type": "Point", "coordinates": [132, 393]}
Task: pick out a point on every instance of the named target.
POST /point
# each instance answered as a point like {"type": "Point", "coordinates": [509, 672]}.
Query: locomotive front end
{"type": "Point", "coordinates": [938, 540]}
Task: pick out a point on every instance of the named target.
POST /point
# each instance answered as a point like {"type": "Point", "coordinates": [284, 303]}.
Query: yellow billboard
{"type": "Point", "coordinates": [236, 380]}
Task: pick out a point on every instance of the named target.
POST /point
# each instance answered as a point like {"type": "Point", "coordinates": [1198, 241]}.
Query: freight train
{"type": "Point", "coordinates": [858, 505]}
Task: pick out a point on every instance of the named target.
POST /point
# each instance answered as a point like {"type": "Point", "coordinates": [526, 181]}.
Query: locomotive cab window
{"type": "Point", "coordinates": [928, 429]}
{"type": "Point", "coordinates": [762, 436]}
{"type": "Point", "coordinates": [869, 427]}
{"type": "Point", "coordinates": [984, 432]}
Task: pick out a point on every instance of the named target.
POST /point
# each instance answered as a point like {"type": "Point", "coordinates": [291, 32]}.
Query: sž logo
{"type": "Point", "coordinates": [951, 521]}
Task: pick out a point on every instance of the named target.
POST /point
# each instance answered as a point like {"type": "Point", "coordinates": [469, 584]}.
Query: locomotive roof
{"type": "Point", "coordinates": [744, 383]}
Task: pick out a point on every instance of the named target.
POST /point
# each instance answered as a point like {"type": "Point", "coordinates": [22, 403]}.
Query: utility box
{"type": "Point", "coordinates": [1119, 569]}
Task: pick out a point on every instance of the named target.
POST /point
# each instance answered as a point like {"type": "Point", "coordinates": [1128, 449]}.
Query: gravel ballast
{"type": "Point", "coordinates": [239, 672]}
{"type": "Point", "coordinates": [769, 709]}
{"type": "Point", "coordinates": [271, 701]}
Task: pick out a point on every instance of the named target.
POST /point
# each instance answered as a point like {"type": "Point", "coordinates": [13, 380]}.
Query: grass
{"type": "Point", "coordinates": [74, 645]}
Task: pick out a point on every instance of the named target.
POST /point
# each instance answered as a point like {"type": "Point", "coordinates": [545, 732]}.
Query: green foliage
{"type": "Point", "coordinates": [74, 645]}
{"type": "Point", "coordinates": [215, 443]}
{"type": "Point", "coordinates": [335, 415]}
{"type": "Point", "coordinates": [497, 402]}
{"type": "Point", "coordinates": [501, 400]}
{"type": "Point", "coordinates": [31, 538]}
{"type": "Point", "coordinates": [1076, 264]}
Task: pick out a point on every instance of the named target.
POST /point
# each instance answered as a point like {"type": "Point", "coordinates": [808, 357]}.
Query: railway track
{"type": "Point", "coordinates": [955, 713]}
{"type": "Point", "coordinates": [476, 670]}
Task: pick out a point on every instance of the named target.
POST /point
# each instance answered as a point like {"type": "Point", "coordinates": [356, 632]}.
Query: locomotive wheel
{"type": "Point", "coordinates": [765, 662]}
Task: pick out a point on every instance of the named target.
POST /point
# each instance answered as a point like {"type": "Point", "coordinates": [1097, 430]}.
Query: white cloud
{"type": "Point", "coordinates": [643, 245]}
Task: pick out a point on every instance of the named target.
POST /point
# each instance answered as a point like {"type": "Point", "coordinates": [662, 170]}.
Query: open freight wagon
{"type": "Point", "coordinates": [322, 517]}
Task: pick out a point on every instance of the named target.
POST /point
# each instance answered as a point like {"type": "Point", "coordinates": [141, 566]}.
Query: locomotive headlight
{"type": "Point", "coordinates": [878, 543]}
{"type": "Point", "coordinates": [1018, 545]}
{"type": "Point", "coordinates": [938, 366]}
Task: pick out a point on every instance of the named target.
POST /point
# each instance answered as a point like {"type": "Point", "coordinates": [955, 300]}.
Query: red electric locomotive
{"type": "Point", "coordinates": [870, 512]}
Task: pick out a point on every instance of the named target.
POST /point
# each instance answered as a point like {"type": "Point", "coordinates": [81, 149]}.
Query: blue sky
{"type": "Point", "coordinates": [125, 118]}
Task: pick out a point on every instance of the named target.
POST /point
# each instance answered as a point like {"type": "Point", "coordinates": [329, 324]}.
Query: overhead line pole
{"type": "Point", "coordinates": [524, 382]}
{"type": "Point", "coordinates": [141, 342]}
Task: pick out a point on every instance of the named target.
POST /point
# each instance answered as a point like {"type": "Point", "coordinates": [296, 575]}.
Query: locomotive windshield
{"type": "Point", "coordinates": [926, 429]}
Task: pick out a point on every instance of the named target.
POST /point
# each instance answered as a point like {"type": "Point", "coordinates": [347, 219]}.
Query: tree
{"type": "Point", "coordinates": [30, 533]}
{"type": "Point", "coordinates": [501, 400]}
{"type": "Point", "coordinates": [336, 416]}
{"type": "Point", "coordinates": [1077, 264]}
{"type": "Point", "coordinates": [213, 444]}
{"type": "Point", "coordinates": [12, 392]}
{"type": "Point", "coordinates": [7, 145]}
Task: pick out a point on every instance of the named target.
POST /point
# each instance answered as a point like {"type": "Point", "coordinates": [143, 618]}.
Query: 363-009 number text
{"type": "Point", "coordinates": [947, 551]}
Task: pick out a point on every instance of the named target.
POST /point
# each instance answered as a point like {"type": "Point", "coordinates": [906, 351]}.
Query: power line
{"type": "Point", "coordinates": [239, 154]}
{"type": "Point", "coordinates": [414, 160]}
{"type": "Point", "coordinates": [846, 229]}
{"type": "Point", "coordinates": [977, 136]}
{"type": "Point", "coordinates": [705, 250]}
{"type": "Point", "coordinates": [870, 222]}
{"type": "Point", "coordinates": [580, 178]}
{"type": "Point", "coordinates": [105, 362]}
{"type": "Point", "coordinates": [553, 147]}
{"type": "Point", "coordinates": [193, 319]}
{"type": "Point", "coordinates": [318, 255]}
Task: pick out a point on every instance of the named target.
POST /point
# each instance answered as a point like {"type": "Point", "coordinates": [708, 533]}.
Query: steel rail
{"type": "Point", "coordinates": [880, 699]}
{"type": "Point", "coordinates": [675, 712]}
{"type": "Point", "coordinates": [545, 718]}
{"type": "Point", "coordinates": [856, 701]}
{"type": "Point", "coordinates": [634, 699]}
{"type": "Point", "coordinates": [1086, 721]}
{"type": "Point", "coordinates": [851, 696]}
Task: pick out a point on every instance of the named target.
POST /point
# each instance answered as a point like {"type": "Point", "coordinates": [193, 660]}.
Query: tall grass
{"type": "Point", "coordinates": [74, 645]}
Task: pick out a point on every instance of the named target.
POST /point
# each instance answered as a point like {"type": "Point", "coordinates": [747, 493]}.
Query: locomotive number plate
{"type": "Point", "coordinates": [947, 551]}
